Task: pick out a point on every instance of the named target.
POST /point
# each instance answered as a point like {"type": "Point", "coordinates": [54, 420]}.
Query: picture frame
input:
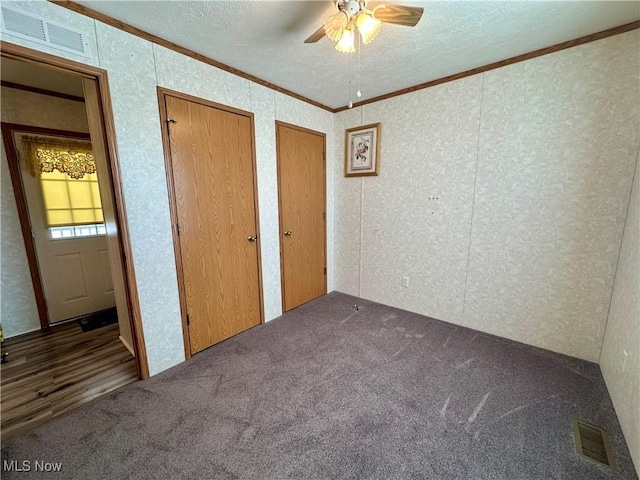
{"type": "Point", "coordinates": [362, 151]}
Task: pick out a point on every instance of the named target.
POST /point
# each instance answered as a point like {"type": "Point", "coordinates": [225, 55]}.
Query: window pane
{"type": "Point", "coordinates": [84, 216]}
{"type": "Point", "coordinates": [80, 194]}
{"type": "Point", "coordinates": [95, 195]}
{"type": "Point", "coordinates": [59, 217]}
{"type": "Point", "coordinates": [58, 233]}
{"type": "Point", "coordinates": [99, 218]}
{"type": "Point", "coordinates": [54, 194]}
{"type": "Point", "coordinates": [85, 231]}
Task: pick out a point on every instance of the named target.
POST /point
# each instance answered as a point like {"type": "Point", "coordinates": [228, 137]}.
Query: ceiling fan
{"type": "Point", "coordinates": [352, 14]}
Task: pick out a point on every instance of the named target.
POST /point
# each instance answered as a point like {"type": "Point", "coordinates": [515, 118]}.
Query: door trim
{"type": "Point", "coordinates": [163, 93]}
{"type": "Point", "coordinates": [64, 65]}
{"type": "Point", "coordinates": [324, 191]}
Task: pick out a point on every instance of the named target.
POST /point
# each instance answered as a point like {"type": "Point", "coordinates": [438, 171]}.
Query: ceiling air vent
{"type": "Point", "coordinates": [31, 27]}
{"type": "Point", "coordinates": [593, 443]}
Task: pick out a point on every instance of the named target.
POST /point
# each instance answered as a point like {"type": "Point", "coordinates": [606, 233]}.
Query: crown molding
{"type": "Point", "coordinates": [101, 17]}
{"type": "Point", "coordinates": [81, 9]}
{"type": "Point", "coordinates": [502, 63]}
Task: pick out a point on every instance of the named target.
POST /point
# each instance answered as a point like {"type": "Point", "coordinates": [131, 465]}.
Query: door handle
{"type": "Point", "coordinates": [287, 233]}
{"type": "Point", "coordinates": [252, 238]}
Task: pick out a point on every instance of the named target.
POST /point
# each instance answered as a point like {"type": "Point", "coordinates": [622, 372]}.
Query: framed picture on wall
{"type": "Point", "coordinates": [362, 151]}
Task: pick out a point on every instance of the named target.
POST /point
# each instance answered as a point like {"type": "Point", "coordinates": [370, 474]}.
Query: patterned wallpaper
{"type": "Point", "coordinates": [18, 309]}
{"type": "Point", "coordinates": [558, 142]}
{"type": "Point", "coordinates": [501, 196]}
{"type": "Point", "coordinates": [348, 207]}
{"type": "Point", "coordinates": [418, 208]}
{"type": "Point", "coordinates": [132, 81]}
{"type": "Point", "coordinates": [620, 359]}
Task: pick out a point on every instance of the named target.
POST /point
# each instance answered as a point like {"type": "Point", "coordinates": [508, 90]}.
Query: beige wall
{"type": "Point", "coordinates": [502, 196]}
{"type": "Point", "coordinates": [18, 310]}
{"type": "Point", "coordinates": [620, 359]}
{"type": "Point", "coordinates": [413, 219]}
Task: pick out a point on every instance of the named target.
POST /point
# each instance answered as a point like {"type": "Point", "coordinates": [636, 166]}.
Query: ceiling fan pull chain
{"type": "Point", "coordinates": [359, 93]}
{"type": "Point", "coordinates": [350, 102]}
{"type": "Point", "coordinates": [350, 80]}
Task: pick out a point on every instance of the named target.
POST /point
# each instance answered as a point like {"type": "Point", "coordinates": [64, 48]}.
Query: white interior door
{"type": "Point", "coordinates": [75, 272]}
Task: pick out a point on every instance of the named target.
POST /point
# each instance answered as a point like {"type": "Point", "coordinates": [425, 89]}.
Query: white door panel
{"type": "Point", "coordinates": [75, 272]}
{"type": "Point", "coordinates": [69, 266]}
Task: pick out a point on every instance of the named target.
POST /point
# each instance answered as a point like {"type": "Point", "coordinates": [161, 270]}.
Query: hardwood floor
{"type": "Point", "coordinates": [51, 373]}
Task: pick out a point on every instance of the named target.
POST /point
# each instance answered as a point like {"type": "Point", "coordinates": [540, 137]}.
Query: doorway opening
{"type": "Point", "coordinates": [59, 141]}
{"type": "Point", "coordinates": [60, 186]}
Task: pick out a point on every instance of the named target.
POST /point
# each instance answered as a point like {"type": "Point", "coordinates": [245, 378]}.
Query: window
{"type": "Point", "coordinates": [69, 202]}
{"type": "Point", "coordinates": [66, 171]}
{"type": "Point", "coordinates": [74, 232]}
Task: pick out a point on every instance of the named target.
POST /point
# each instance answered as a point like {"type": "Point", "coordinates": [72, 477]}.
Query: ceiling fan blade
{"type": "Point", "coordinates": [315, 36]}
{"type": "Point", "coordinates": [398, 15]}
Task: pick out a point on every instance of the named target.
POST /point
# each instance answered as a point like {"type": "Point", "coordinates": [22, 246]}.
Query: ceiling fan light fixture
{"type": "Point", "coordinates": [346, 43]}
{"type": "Point", "coordinates": [353, 14]}
{"type": "Point", "coordinates": [335, 25]}
{"type": "Point", "coordinates": [368, 27]}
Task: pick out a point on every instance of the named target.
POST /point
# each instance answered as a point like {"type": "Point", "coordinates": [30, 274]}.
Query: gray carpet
{"type": "Point", "coordinates": [326, 391]}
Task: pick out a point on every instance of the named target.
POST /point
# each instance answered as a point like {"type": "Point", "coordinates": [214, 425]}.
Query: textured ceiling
{"type": "Point", "coordinates": [265, 38]}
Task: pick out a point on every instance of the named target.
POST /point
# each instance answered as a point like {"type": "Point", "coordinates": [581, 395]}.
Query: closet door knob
{"type": "Point", "coordinates": [287, 233]}
{"type": "Point", "coordinates": [252, 238]}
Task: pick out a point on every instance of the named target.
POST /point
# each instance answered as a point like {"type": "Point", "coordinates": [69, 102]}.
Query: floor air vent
{"type": "Point", "coordinates": [39, 30]}
{"type": "Point", "coordinates": [593, 442]}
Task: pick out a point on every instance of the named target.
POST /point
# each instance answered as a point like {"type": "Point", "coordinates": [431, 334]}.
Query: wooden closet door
{"type": "Point", "coordinates": [301, 189]}
{"type": "Point", "coordinates": [215, 203]}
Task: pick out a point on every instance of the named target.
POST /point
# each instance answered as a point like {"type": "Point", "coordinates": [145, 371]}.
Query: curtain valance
{"type": "Point", "coordinates": [46, 154]}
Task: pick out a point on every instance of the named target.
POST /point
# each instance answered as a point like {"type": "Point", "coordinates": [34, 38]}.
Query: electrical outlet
{"type": "Point", "coordinates": [405, 282]}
